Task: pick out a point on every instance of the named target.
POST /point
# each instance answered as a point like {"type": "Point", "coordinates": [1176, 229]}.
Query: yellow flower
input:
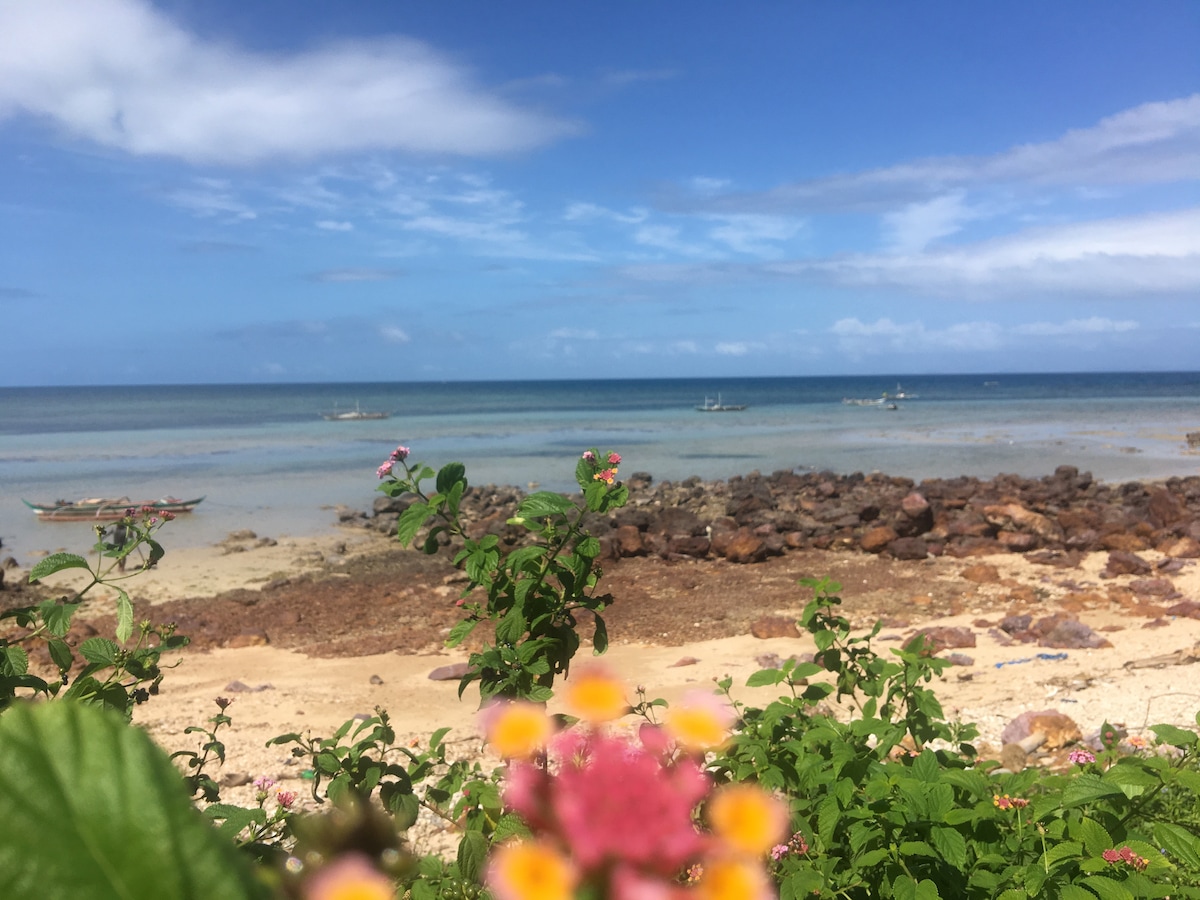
{"type": "Point", "coordinates": [595, 695]}
{"type": "Point", "coordinates": [517, 730]}
{"type": "Point", "coordinates": [350, 877]}
{"type": "Point", "coordinates": [733, 879]}
{"type": "Point", "coordinates": [531, 871]}
{"type": "Point", "coordinates": [747, 819]}
{"type": "Point", "coordinates": [700, 722]}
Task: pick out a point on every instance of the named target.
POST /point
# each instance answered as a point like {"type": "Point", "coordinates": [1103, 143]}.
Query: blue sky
{"type": "Point", "coordinates": [222, 191]}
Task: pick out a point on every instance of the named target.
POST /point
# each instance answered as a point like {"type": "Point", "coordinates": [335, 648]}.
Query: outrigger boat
{"type": "Point", "coordinates": [105, 510]}
{"type": "Point", "coordinates": [709, 406]}
{"type": "Point", "coordinates": [353, 415]}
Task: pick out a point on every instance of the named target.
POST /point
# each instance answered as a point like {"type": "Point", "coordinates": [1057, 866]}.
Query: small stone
{"type": "Point", "coordinates": [774, 627]}
{"type": "Point", "coordinates": [452, 672]}
{"type": "Point", "coordinates": [375, 679]}
{"type": "Point", "coordinates": [683, 661]}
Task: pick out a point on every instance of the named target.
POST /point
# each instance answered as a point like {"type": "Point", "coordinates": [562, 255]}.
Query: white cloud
{"type": "Point", "coordinates": [1133, 256]}
{"type": "Point", "coordinates": [1092, 325]}
{"type": "Point", "coordinates": [356, 274]}
{"type": "Point", "coordinates": [917, 225]}
{"type": "Point", "coordinates": [394, 335]}
{"type": "Point", "coordinates": [122, 74]}
{"type": "Point", "coordinates": [668, 238]}
{"type": "Point", "coordinates": [1154, 143]}
{"type": "Point", "coordinates": [755, 235]}
{"type": "Point", "coordinates": [733, 348]}
{"type": "Point", "coordinates": [211, 197]}
{"type": "Point", "coordinates": [331, 225]}
{"type": "Point", "coordinates": [575, 334]}
{"type": "Point", "coordinates": [585, 211]}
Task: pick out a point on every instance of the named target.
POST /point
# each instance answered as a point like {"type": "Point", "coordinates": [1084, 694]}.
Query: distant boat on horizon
{"type": "Point", "coordinates": [353, 415]}
{"type": "Point", "coordinates": [718, 406]}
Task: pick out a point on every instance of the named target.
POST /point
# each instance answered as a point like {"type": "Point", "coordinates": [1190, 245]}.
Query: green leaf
{"type": "Point", "coordinates": [764, 677]}
{"type": "Point", "coordinates": [510, 825]}
{"type": "Point", "coordinates": [1095, 837]}
{"type": "Point", "coordinates": [57, 562]}
{"type": "Point", "coordinates": [450, 475]}
{"type": "Point", "coordinates": [1065, 850]}
{"type": "Point", "coordinates": [234, 818]}
{"type": "Point", "coordinates": [544, 503]}
{"type": "Point", "coordinates": [60, 652]}
{"type": "Point", "coordinates": [1013, 894]}
{"type": "Point", "coordinates": [100, 651]}
{"type": "Point", "coordinates": [588, 548]}
{"type": "Point", "coordinates": [460, 631]}
{"type": "Point", "coordinates": [1086, 787]}
{"type": "Point", "coordinates": [1176, 737]}
{"type": "Point", "coordinates": [472, 856]}
{"type": "Point", "coordinates": [951, 844]}
{"type": "Point", "coordinates": [1074, 892]}
{"type": "Point", "coordinates": [13, 661]}
{"type": "Point", "coordinates": [1107, 889]}
{"type": "Point", "coordinates": [90, 807]}
{"type": "Point", "coordinates": [600, 637]}
{"type": "Point", "coordinates": [410, 522]}
{"type": "Point", "coordinates": [124, 616]}
{"type": "Point", "coordinates": [511, 628]}
{"type": "Point", "coordinates": [1179, 842]}
{"type": "Point", "coordinates": [57, 615]}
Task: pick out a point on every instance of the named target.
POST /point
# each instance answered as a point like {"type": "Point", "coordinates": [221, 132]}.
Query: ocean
{"type": "Point", "coordinates": [265, 459]}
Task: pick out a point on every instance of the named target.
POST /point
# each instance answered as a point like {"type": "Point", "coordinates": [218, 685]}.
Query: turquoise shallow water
{"type": "Point", "coordinates": [265, 459]}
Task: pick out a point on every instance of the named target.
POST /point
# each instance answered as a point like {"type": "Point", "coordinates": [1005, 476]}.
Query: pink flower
{"type": "Point", "coordinates": [613, 802]}
{"type": "Point", "coordinates": [608, 476]}
{"type": "Point", "coordinates": [264, 783]}
{"type": "Point", "coordinates": [385, 470]}
{"type": "Point", "coordinates": [400, 454]}
{"type": "Point", "coordinates": [1082, 757]}
{"type": "Point", "coordinates": [779, 851]}
{"type": "Point", "coordinates": [168, 516]}
{"type": "Point", "coordinates": [1137, 742]}
{"type": "Point", "coordinates": [614, 459]}
{"type": "Point", "coordinates": [286, 798]}
{"type": "Point", "coordinates": [1111, 856]}
{"type": "Point", "coordinates": [589, 456]}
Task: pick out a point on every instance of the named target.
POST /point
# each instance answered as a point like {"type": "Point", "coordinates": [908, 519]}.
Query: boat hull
{"type": "Point", "coordinates": [106, 510]}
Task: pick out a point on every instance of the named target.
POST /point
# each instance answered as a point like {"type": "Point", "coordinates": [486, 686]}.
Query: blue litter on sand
{"type": "Point", "coordinates": [1046, 656]}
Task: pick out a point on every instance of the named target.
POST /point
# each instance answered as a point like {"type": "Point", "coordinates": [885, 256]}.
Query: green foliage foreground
{"type": "Point", "coordinates": [892, 802]}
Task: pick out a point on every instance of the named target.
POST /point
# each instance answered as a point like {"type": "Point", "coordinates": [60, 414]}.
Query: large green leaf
{"type": "Point", "coordinates": [544, 503]}
{"type": "Point", "coordinates": [56, 562]}
{"type": "Point", "coordinates": [90, 807]}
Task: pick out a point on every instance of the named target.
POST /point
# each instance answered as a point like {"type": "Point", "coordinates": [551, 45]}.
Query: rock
{"type": "Point", "coordinates": [981, 573]}
{"type": "Point", "coordinates": [1059, 729]}
{"type": "Point", "coordinates": [959, 659]}
{"type": "Point", "coordinates": [945, 637]}
{"type": "Point", "coordinates": [875, 540]}
{"type": "Point", "coordinates": [235, 779]}
{"type": "Point", "coordinates": [1071, 634]}
{"type": "Point", "coordinates": [908, 548]}
{"type": "Point", "coordinates": [1017, 517]}
{"type": "Point", "coordinates": [375, 679]}
{"type": "Point", "coordinates": [774, 627]}
{"type": "Point", "coordinates": [1122, 562]}
{"type": "Point", "coordinates": [244, 535]}
{"type": "Point", "coordinates": [255, 638]}
{"type": "Point", "coordinates": [453, 672]}
{"type": "Point", "coordinates": [1153, 587]}
{"type": "Point", "coordinates": [1164, 510]}
{"type": "Point", "coordinates": [238, 687]}
{"type": "Point", "coordinates": [1013, 757]}
{"type": "Point", "coordinates": [1186, 609]}
{"type": "Point", "coordinates": [1182, 548]}
{"type": "Point", "coordinates": [1017, 541]}
{"type": "Point", "coordinates": [629, 541]}
{"type": "Point", "coordinates": [683, 661]}
{"type": "Point", "coordinates": [745, 547]}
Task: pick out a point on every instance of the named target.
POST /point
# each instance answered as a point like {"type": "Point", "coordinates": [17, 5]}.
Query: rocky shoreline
{"type": "Point", "coordinates": [1056, 519]}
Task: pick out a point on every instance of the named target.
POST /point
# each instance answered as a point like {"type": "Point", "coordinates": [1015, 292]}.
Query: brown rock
{"type": "Point", "coordinates": [908, 548]}
{"type": "Point", "coordinates": [629, 541]}
{"type": "Point", "coordinates": [1013, 758]}
{"type": "Point", "coordinates": [1013, 516]}
{"type": "Point", "coordinates": [1182, 548]}
{"type": "Point", "coordinates": [1164, 510]}
{"type": "Point", "coordinates": [914, 505]}
{"type": "Point", "coordinates": [1017, 541]}
{"type": "Point", "coordinates": [1153, 587]}
{"type": "Point", "coordinates": [774, 627]}
{"type": "Point", "coordinates": [981, 573]}
{"type": "Point", "coordinates": [452, 672]}
{"type": "Point", "coordinates": [1059, 729]}
{"type": "Point", "coordinates": [1121, 562]}
{"type": "Point", "coordinates": [1123, 542]}
{"type": "Point", "coordinates": [683, 661]}
{"type": "Point", "coordinates": [875, 540]}
{"type": "Point", "coordinates": [745, 547]}
{"type": "Point", "coordinates": [945, 637]}
{"type": "Point", "coordinates": [248, 639]}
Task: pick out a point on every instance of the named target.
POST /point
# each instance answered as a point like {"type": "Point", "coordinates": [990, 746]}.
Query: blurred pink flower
{"type": "Point", "coordinates": [349, 876]}
{"type": "Point", "coordinates": [385, 470]}
{"type": "Point", "coordinates": [588, 456]}
{"type": "Point", "coordinates": [614, 459]}
{"type": "Point", "coordinates": [1081, 757]}
{"type": "Point", "coordinates": [286, 798]}
{"type": "Point", "coordinates": [400, 454]}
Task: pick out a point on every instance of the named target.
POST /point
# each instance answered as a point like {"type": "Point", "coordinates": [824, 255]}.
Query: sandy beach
{"type": "Point", "coordinates": [317, 685]}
